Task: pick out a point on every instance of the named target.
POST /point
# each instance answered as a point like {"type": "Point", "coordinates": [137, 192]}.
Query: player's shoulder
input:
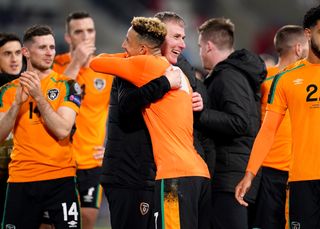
{"type": "Point", "coordinates": [292, 70]}
{"type": "Point", "coordinates": [11, 84]}
{"type": "Point", "coordinates": [62, 59]}
{"type": "Point", "coordinates": [299, 65]}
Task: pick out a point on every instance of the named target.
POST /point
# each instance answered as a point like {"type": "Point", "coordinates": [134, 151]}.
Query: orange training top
{"type": "Point", "coordinates": [93, 114]}
{"type": "Point", "coordinates": [296, 89]}
{"type": "Point", "coordinates": [37, 155]}
{"type": "Point", "coordinates": [280, 153]}
{"type": "Point", "coordinates": [169, 120]}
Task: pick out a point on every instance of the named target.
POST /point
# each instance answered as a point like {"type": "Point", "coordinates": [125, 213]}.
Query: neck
{"type": "Point", "coordinates": [42, 74]}
{"type": "Point", "coordinates": [220, 56]}
{"type": "Point", "coordinates": [286, 60]}
{"type": "Point", "coordinates": [154, 52]}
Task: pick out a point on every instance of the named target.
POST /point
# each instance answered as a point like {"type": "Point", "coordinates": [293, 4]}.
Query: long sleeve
{"type": "Point", "coordinates": [132, 99]}
{"type": "Point", "coordinates": [230, 94]}
{"type": "Point", "coordinates": [138, 70]}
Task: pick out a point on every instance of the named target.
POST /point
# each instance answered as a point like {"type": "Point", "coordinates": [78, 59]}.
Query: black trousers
{"type": "Point", "coordinates": [227, 213]}
{"type": "Point", "coordinates": [271, 199]}
{"type": "Point", "coordinates": [130, 208]}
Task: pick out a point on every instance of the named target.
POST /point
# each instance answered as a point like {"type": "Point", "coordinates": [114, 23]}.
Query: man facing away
{"type": "Point", "coordinates": [178, 164]}
{"type": "Point", "coordinates": [40, 108]}
{"type": "Point", "coordinates": [295, 90]}
{"type": "Point", "coordinates": [232, 119]}
{"type": "Point", "coordinates": [90, 133]}
{"type": "Point", "coordinates": [291, 45]}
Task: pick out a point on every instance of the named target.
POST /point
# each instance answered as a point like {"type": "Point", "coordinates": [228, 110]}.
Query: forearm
{"type": "Point", "coordinates": [56, 124]}
{"type": "Point", "coordinates": [133, 99]}
{"type": "Point", "coordinates": [7, 121]}
{"type": "Point", "coordinates": [72, 69]}
{"type": "Point", "coordinates": [264, 141]}
{"type": "Point", "coordinates": [219, 122]}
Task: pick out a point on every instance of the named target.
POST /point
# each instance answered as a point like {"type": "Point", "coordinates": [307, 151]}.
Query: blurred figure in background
{"type": "Point", "coordinates": [268, 59]}
{"type": "Point", "coordinates": [10, 67]}
{"type": "Point", "coordinates": [90, 127]}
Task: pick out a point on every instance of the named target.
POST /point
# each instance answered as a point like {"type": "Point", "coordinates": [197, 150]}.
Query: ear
{"type": "Point", "coordinates": [25, 52]}
{"type": "Point", "coordinates": [210, 46]}
{"type": "Point", "coordinates": [307, 32]}
{"type": "Point", "coordinates": [67, 38]}
{"type": "Point", "coordinates": [143, 50]}
{"type": "Point", "coordinates": [298, 49]}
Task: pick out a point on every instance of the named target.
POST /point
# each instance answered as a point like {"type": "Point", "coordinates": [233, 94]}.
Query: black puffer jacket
{"type": "Point", "coordinates": [233, 119]}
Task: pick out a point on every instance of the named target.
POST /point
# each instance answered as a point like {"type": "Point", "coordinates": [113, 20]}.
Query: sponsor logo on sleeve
{"type": "Point", "coordinates": [77, 88]}
{"type": "Point", "coordinates": [75, 99]}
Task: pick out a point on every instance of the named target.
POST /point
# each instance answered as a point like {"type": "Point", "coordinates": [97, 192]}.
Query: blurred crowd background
{"type": "Point", "coordinates": [256, 22]}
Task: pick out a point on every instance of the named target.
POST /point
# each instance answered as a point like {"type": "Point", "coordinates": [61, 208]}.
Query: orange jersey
{"type": "Point", "coordinates": [169, 120]}
{"type": "Point", "coordinates": [37, 155]}
{"type": "Point", "coordinates": [92, 117]}
{"type": "Point", "coordinates": [280, 153]}
{"type": "Point", "coordinates": [296, 89]}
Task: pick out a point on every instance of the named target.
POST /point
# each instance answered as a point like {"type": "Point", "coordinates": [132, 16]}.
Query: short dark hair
{"type": "Point", "coordinates": [151, 30]}
{"type": "Point", "coordinates": [287, 36]}
{"type": "Point", "coordinates": [169, 16]}
{"type": "Point", "coordinates": [6, 37]}
{"type": "Point", "coordinates": [311, 17]}
{"type": "Point", "coordinates": [219, 31]}
{"type": "Point", "coordinates": [36, 30]}
{"type": "Point", "coordinates": [76, 16]}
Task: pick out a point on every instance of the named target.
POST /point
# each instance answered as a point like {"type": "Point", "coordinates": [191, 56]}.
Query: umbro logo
{"type": "Point", "coordinates": [297, 81]}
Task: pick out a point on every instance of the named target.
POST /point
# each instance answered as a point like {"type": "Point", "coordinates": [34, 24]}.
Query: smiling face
{"type": "Point", "coordinates": [174, 43]}
{"type": "Point", "coordinates": [11, 58]}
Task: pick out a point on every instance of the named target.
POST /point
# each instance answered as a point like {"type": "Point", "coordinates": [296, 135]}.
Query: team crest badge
{"type": "Point", "coordinates": [53, 94]}
{"type": "Point", "coordinates": [295, 225]}
{"type": "Point", "coordinates": [144, 208]}
{"type": "Point", "coordinates": [99, 84]}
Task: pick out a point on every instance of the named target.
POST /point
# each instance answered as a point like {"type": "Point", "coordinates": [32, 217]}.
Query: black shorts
{"type": "Point", "coordinates": [271, 200]}
{"type": "Point", "coordinates": [304, 204]}
{"type": "Point", "coordinates": [3, 187]}
{"type": "Point", "coordinates": [90, 191]}
{"type": "Point", "coordinates": [183, 202]}
{"type": "Point", "coordinates": [26, 202]}
{"type": "Point", "coordinates": [130, 208]}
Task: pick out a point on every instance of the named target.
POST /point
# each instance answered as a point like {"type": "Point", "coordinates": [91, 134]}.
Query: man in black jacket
{"type": "Point", "coordinates": [233, 117]}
